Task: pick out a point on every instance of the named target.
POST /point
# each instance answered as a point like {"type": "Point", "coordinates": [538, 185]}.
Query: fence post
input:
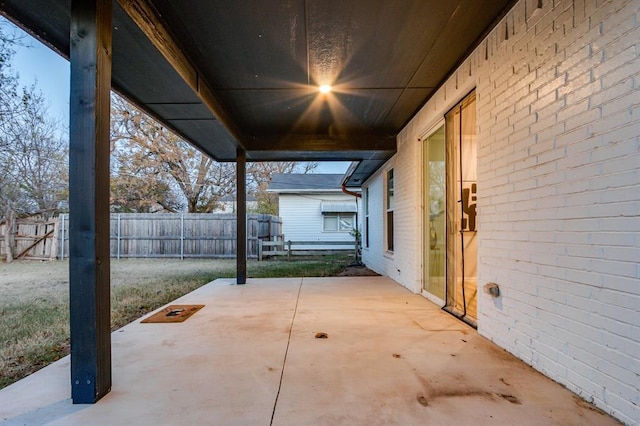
{"type": "Point", "coordinates": [54, 240]}
{"type": "Point", "coordinates": [118, 238]}
{"type": "Point", "coordinates": [289, 250]}
{"type": "Point", "coordinates": [181, 236]}
{"type": "Point", "coordinates": [259, 250]}
{"type": "Point", "coordinates": [62, 219]}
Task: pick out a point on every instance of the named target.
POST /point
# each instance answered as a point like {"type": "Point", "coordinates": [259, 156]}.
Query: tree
{"type": "Point", "coordinates": [142, 148]}
{"type": "Point", "coordinates": [259, 176]}
{"type": "Point", "coordinates": [136, 184]}
{"type": "Point", "coordinates": [130, 194]}
{"type": "Point", "coordinates": [9, 100]}
{"type": "Point", "coordinates": [8, 89]}
{"type": "Point", "coordinates": [33, 155]}
{"type": "Point", "coordinates": [33, 159]}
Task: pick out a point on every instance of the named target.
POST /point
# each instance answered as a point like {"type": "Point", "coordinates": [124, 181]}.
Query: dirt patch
{"type": "Point", "coordinates": [357, 270]}
{"type": "Point", "coordinates": [587, 405]}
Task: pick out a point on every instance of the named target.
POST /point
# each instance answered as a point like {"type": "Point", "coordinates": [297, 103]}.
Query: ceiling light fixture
{"type": "Point", "coordinates": [325, 88]}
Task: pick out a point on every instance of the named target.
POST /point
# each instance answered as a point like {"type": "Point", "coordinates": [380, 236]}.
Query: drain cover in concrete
{"type": "Point", "coordinates": [174, 313]}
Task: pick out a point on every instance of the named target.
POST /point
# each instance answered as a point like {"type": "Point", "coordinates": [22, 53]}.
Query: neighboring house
{"type": "Point", "coordinates": [229, 204]}
{"type": "Point", "coordinates": [523, 170]}
{"type": "Point", "coordinates": [313, 207]}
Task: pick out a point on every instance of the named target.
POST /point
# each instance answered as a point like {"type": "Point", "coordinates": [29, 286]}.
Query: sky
{"type": "Point", "coordinates": [36, 63]}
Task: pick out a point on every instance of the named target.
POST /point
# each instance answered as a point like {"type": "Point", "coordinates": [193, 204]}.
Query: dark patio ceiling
{"type": "Point", "coordinates": [227, 73]}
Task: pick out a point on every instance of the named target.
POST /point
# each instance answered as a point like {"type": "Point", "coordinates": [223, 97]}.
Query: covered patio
{"type": "Point", "coordinates": [306, 80]}
{"type": "Point", "coordinates": [251, 356]}
{"type": "Point", "coordinates": [242, 81]}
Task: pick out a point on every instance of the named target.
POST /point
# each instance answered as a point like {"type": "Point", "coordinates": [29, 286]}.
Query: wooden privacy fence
{"type": "Point", "coordinates": [186, 235]}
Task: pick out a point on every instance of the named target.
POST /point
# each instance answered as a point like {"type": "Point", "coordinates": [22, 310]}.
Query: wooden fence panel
{"type": "Point", "coordinates": [188, 235]}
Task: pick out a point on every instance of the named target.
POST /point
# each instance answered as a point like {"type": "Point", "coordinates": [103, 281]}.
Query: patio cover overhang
{"type": "Point", "coordinates": [244, 74]}
{"type": "Point", "coordinates": [239, 80]}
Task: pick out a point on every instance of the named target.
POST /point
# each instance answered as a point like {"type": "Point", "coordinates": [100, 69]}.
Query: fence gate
{"type": "Point", "coordinates": [36, 239]}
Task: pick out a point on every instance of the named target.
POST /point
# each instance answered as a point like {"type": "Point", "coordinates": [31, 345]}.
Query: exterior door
{"type": "Point", "coordinates": [461, 221]}
{"type": "Point", "coordinates": [434, 215]}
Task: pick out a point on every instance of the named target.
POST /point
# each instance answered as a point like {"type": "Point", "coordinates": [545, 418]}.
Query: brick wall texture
{"type": "Point", "coordinates": [558, 104]}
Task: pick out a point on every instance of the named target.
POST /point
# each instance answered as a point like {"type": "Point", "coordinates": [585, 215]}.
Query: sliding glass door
{"type": "Point", "coordinates": [462, 252]}
{"type": "Point", "coordinates": [450, 221]}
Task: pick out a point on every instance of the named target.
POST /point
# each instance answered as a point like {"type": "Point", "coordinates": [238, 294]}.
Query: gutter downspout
{"type": "Point", "coordinates": [343, 186]}
{"type": "Point", "coordinates": [347, 175]}
{"type": "Point", "coordinates": [346, 191]}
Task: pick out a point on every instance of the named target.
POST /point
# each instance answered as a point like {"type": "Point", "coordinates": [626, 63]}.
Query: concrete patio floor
{"type": "Point", "coordinates": [250, 357]}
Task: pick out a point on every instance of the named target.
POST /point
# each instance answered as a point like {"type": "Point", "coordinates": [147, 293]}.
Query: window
{"type": "Point", "coordinates": [389, 206]}
{"type": "Point", "coordinates": [338, 222]}
{"type": "Point", "coordinates": [366, 217]}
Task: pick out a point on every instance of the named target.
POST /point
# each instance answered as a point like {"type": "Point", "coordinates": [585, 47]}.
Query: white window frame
{"type": "Point", "coordinates": [365, 240]}
{"type": "Point", "coordinates": [389, 206]}
{"type": "Point", "coordinates": [339, 216]}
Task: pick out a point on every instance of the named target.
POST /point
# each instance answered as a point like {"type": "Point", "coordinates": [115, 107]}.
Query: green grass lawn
{"type": "Point", "coordinates": [34, 305]}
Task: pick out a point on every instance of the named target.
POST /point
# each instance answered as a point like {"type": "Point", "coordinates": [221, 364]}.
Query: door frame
{"type": "Point", "coordinates": [440, 123]}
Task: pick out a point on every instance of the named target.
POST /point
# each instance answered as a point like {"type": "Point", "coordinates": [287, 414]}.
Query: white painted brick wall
{"type": "Point", "coordinates": [558, 104]}
{"type": "Point", "coordinates": [402, 265]}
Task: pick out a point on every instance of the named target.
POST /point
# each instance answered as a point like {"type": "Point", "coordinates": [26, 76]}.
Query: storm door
{"type": "Point", "coordinates": [461, 221]}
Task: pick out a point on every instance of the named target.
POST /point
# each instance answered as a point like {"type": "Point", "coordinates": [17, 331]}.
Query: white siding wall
{"type": "Point", "coordinates": [302, 218]}
{"type": "Point", "coordinates": [558, 92]}
{"type": "Point", "coordinates": [373, 256]}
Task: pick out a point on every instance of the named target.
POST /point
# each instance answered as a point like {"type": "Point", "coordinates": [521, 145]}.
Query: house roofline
{"type": "Point", "coordinates": [309, 191]}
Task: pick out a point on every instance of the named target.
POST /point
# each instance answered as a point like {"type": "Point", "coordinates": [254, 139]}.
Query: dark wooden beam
{"type": "Point", "coordinates": [319, 143]}
{"type": "Point", "coordinates": [147, 19]}
{"type": "Point", "coordinates": [90, 308]}
{"type": "Point", "coordinates": [241, 212]}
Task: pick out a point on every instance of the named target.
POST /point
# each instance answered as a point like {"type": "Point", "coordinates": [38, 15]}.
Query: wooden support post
{"type": "Point", "coordinates": [241, 212]}
{"type": "Point", "coordinates": [90, 56]}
